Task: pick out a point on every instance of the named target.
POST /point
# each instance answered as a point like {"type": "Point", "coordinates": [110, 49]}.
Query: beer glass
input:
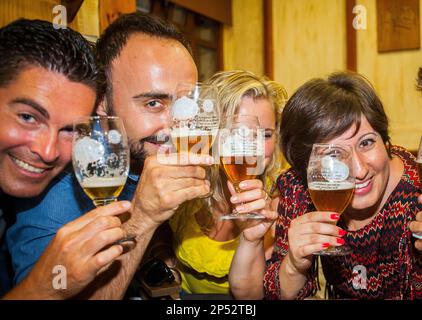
{"type": "Point", "coordinates": [418, 235]}
{"type": "Point", "coordinates": [331, 183]}
{"type": "Point", "coordinates": [241, 148]}
{"type": "Point", "coordinates": [195, 119]}
{"type": "Point", "coordinates": [100, 158]}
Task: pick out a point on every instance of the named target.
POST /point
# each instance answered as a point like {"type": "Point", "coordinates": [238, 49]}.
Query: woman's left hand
{"type": "Point", "coordinates": [253, 198]}
{"type": "Point", "coordinates": [416, 228]}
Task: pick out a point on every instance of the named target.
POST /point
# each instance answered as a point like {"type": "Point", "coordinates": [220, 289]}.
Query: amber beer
{"type": "Point", "coordinates": [331, 196]}
{"type": "Point", "coordinates": [101, 189]}
{"type": "Point", "coordinates": [199, 144]}
{"type": "Point", "coordinates": [240, 168]}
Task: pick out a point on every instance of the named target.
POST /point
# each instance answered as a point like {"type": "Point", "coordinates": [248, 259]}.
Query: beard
{"type": "Point", "coordinates": [138, 154]}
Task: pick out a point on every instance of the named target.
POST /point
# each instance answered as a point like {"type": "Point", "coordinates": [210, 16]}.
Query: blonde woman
{"type": "Point", "coordinates": [203, 244]}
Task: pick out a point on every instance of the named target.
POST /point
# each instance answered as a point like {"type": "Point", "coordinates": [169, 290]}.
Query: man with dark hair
{"type": "Point", "coordinates": [141, 59]}
{"type": "Point", "coordinates": [41, 69]}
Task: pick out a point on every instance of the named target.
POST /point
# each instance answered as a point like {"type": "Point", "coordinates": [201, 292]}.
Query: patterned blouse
{"type": "Point", "coordinates": [383, 264]}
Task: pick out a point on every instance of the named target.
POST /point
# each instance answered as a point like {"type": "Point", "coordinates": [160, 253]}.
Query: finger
{"type": "Point", "coordinates": [232, 189]}
{"type": "Point", "coordinates": [419, 216]}
{"type": "Point", "coordinates": [269, 215]}
{"type": "Point", "coordinates": [322, 228]}
{"type": "Point", "coordinates": [185, 159]}
{"type": "Point", "coordinates": [418, 245]}
{"type": "Point", "coordinates": [252, 206]}
{"type": "Point", "coordinates": [101, 240]}
{"type": "Point", "coordinates": [184, 183]}
{"type": "Point", "coordinates": [268, 219]}
{"type": "Point", "coordinates": [191, 193]}
{"type": "Point", "coordinates": [251, 184]}
{"type": "Point", "coordinates": [318, 216]}
{"type": "Point", "coordinates": [248, 196]}
{"type": "Point", "coordinates": [415, 226]}
{"type": "Point", "coordinates": [103, 258]}
{"type": "Point", "coordinates": [96, 226]}
{"type": "Point", "coordinates": [420, 198]}
{"type": "Point", "coordinates": [310, 239]}
{"type": "Point", "coordinates": [310, 249]}
{"type": "Point", "coordinates": [185, 172]}
{"type": "Point", "coordinates": [112, 209]}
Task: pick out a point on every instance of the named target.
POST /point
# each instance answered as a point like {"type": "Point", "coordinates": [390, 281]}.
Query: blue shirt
{"type": "Point", "coordinates": [5, 276]}
{"type": "Point", "coordinates": [38, 219]}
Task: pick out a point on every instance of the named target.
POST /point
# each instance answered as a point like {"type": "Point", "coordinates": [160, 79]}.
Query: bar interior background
{"type": "Point", "coordinates": [290, 41]}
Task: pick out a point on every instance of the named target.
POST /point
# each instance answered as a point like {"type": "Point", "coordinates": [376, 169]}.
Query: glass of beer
{"type": "Point", "coordinates": [195, 119]}
{"type": "Point", "coordinates": [418, 235]}
{"type": "Point", "coordinates": [241, 148]}
{"type": "Point", "coordinates": [100, 159]}
{"type": "Point", "coordinates": [331, 183]}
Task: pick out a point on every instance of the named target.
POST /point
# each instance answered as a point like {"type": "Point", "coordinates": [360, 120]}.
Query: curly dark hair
{"type": "Point", "coordinates": [35, 42]}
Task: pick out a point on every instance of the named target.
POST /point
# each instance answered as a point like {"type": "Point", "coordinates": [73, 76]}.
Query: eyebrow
{"type": "Point", "coordinates": [32, 104]}
{"type": "Point", "coordinates": [152, 94]}
{"type": "Point", "coordinates": [368, 133]}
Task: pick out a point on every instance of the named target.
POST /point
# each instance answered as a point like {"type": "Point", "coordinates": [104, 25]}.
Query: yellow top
{"type": "Point", "coordinates": [203, 263]}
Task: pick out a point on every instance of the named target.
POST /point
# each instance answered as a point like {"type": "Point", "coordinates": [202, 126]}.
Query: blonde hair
{"type": "Point", "coordinates": [232, 87]}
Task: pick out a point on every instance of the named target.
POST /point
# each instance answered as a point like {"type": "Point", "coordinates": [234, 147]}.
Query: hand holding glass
{"type": "Point", "coordinates": [241, 147]}
{"type": "Point", "coordinates": [331, 183]}
{"type": "Point", "coordinates": [100, 158]}
{"type": "Point", "coordinates": [195, 119]}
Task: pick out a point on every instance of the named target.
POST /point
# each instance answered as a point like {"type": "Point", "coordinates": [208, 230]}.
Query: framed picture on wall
{"type": "Point", "coordinates": [398, 24]}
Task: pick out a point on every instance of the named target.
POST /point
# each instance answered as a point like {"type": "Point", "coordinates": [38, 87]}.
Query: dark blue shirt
{"type": "Point", "coordinates": [38, 219]}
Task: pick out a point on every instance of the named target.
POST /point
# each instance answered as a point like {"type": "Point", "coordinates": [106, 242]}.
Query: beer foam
{"type": "Point", "coordinates": [96, 182]}
{"type": "Point", "coordinates": [343, 185]}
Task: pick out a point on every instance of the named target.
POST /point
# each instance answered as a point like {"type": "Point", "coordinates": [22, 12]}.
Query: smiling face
{"type": "Point", "coordinates": [144, 78]}
{"type": "Point", "coordinates": [371, 166]}
{"type": "Point", "coordinates": [36, 133]}
{"type": "Point", "coordinates": [264, 111]}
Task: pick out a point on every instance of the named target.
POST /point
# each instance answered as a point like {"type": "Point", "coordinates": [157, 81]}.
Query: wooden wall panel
{"type": "Point", "coordinates": [86, 21]}
{"type": "Point", "coordinates": [110, 10]}
{"type": "Point", "coordinates": [309, 40]}
{"type": "Point", "coordinates": [394, 77]}
{"type": "Point", "coordinates": [244, 40]}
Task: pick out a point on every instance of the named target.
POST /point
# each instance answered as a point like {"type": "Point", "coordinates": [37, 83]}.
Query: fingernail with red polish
{"type": "Point", "coordinates": [340, 241]}
{"type": "Point", "coordinates": [325, 245]}
{"type": "Point", "coordinates": [342, 232]}
{"type": "Point", "coordinates": [334, 216]}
